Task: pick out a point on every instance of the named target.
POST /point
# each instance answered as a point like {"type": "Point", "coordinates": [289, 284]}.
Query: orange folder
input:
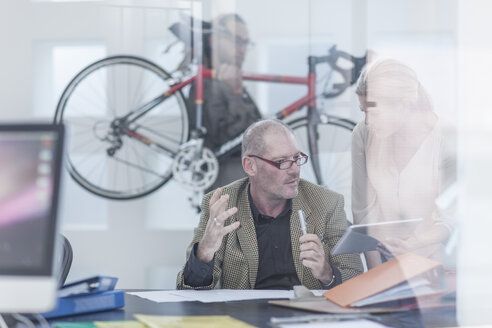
{"type": "Point", "coordinates": [380, 278]}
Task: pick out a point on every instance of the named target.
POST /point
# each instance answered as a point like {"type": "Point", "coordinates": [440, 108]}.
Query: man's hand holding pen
{"type": "Point", "coordinates": [215, 229]}
{"type": "Point", "coordinates": [313, 254]}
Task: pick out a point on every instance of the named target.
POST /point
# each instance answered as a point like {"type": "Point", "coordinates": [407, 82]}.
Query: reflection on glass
{"type": "Point", "coordinates": [227, 108]}
{"type": "Point", "coordinates": [398, 160]}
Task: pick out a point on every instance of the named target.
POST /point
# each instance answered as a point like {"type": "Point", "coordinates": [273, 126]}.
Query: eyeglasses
{"type": "Point", "coordinates": [286, 164]}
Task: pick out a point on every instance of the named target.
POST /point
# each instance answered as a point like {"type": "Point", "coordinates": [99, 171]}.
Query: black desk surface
{"type": "Point", "coordinates": [256, 313]}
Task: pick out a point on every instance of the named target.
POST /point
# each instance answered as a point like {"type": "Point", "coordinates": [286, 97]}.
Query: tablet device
{"type": "Point", "coordinates": [365, 237]}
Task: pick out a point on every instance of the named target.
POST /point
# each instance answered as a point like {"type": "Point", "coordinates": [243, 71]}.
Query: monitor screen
{"type": "Point", "coordinates": [30, 164]}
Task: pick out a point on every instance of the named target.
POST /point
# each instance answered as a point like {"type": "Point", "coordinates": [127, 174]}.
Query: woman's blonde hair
{"type": "Point", "coordinates": [390, 81]}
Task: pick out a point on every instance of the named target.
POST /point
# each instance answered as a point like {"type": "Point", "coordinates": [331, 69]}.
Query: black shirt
{"type": "Point", "coordinates": [276, 268]}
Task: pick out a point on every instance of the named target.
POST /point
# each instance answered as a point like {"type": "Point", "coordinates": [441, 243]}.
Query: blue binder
{"type": "Point", "coordinates": [86, 303]}
{"type": "Point", "coordinates": [90, 285]}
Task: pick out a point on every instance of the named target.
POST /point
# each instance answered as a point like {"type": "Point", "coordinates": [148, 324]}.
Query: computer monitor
{"type": "Point", "coordinates": [30, 165]}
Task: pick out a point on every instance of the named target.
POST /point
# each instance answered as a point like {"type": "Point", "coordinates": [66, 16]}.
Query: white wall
{"type": "Point", "coordinates": [423, 35]}
{"type": "Point", "coordinates": [475, 121]}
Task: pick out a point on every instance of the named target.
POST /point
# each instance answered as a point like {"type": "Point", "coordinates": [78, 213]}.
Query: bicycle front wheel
{"type": "Point", "coordinates": [328, 144]}
{"type": "Point", "coordinates": [123, 130]}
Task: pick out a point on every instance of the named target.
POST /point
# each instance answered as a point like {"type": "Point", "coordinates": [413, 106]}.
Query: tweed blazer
{"type": "Point", "coordinates": [236, 261]}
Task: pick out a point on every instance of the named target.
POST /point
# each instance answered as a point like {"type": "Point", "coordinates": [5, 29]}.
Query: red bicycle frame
{"type": "Point", "coordinates": [308, 100]}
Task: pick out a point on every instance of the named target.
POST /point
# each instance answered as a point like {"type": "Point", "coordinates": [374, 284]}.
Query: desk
{"type": "Point", "coordinates": [257, 313]}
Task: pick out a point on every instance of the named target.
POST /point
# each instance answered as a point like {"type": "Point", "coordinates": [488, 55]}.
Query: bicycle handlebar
{"type": "Point", "coordinates": [350, 75]}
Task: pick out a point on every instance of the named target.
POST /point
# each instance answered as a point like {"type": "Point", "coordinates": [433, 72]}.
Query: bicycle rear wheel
{"type": "Point", "coordinates": [109, 153]}
{"type": "Point", "coordinates": [333, 142]}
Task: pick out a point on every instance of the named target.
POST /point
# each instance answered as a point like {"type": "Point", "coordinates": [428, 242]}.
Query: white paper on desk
{"type": "Point", "coordinates": [338, 324]}
{"type": "Point", "coordinates": [162, 296]}
{"type": "Point", "coordinates": [216, 295]}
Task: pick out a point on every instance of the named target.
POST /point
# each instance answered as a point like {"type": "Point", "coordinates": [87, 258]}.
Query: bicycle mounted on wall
{"type": "Point", "coordinates": [128, 122]}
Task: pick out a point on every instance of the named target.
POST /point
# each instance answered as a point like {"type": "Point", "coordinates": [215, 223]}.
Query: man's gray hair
{"type": "Point", "coordinates": [254, 136]}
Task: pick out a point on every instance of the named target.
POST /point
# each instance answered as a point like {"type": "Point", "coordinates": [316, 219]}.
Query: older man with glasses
{"type": "Point", "coordinates": [250, 236]}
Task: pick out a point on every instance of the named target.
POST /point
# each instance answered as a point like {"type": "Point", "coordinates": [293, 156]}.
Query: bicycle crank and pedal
{"type": "Point", "coordinates": [195, 167]}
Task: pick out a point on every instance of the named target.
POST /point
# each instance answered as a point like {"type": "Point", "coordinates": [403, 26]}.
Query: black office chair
{"type": "Point", "coordinates": [65, 261]}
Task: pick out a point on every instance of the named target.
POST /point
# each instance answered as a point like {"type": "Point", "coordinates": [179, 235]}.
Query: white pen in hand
{"type": "Point", "coordinates": [302, 220]}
